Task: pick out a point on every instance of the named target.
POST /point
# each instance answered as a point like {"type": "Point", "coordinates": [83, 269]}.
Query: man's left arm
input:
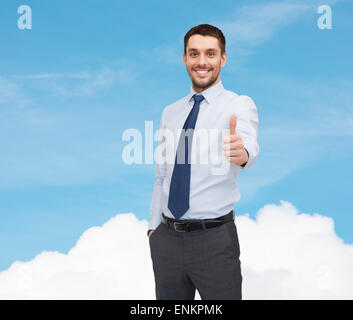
{"type": "Point", "coordinates": [247, 128]}
{"type": "Point", "coordinates": [241, 146]}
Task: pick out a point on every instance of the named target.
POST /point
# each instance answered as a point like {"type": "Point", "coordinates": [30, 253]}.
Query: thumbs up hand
{"type": "Point", "coordinates": [233, 147]}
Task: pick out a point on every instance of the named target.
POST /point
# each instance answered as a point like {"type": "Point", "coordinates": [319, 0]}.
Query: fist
{"type": "Point", "coordinates": [233, 147]}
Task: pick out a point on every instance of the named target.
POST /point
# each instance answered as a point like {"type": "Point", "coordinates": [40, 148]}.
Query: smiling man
{"type": "Point", "coordinates": [192, 235]}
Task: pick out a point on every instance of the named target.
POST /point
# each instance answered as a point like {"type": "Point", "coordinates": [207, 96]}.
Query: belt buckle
{"type": "Point", "coordinates": [175, 228]}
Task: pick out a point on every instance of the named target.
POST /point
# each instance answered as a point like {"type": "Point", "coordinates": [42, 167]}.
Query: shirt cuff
{"type": "Point", "coordinates": [155, 221]}
{"type": "Point", "coordinates": [252, 152]}
{"type": "Point", "coordinates": [243, 165]}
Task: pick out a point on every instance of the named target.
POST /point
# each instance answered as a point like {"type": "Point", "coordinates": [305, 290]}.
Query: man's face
{"type": "Point", "coordinates": [203, 61]}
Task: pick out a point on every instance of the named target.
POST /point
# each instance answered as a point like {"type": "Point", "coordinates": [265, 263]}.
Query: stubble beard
{"type": "Point", "coordinates": [196, 85]}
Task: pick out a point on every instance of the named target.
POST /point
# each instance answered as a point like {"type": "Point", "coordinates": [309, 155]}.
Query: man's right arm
{"type": "Point", "coordinates": [156, 203]}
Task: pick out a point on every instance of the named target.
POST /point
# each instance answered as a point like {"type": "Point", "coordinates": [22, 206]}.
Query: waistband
{"type": "Point", "coordinates": [186, 225]}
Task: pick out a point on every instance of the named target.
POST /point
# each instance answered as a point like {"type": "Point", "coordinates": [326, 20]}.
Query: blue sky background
{"type": "Point", "coordinates": [88, 70]}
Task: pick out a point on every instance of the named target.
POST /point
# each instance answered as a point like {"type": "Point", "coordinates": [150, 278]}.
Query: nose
{"type": "Point", "coordinates": [202, 59]}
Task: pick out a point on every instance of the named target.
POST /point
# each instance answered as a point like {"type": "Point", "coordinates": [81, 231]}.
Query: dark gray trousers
{"type": "Point", "coordinates": [206, 260]}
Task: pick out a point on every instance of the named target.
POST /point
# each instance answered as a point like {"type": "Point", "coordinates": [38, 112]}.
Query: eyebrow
{"type": "Point", "coordinates": [209, 49]}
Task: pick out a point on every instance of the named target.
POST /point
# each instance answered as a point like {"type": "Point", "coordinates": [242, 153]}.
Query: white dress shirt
{"type": "Point", "coordinates": [213, 187]}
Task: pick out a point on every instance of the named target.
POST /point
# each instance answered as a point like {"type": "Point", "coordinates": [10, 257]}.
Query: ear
{"type": "Point", "coordinates": [223, 59]}
{"type": "Point", "coordinates": [184, 58]}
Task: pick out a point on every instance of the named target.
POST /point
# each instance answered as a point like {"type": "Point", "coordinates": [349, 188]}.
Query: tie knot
{"type": "Point", "coordinates": [198, 98]}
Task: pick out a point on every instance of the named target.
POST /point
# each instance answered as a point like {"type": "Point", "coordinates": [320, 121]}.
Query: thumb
{"type": "Point", "coordinates": [232, 124]}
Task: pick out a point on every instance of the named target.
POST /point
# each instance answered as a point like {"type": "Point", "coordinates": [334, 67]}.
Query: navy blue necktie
{"type": "Point", "coordinates": [179, 191]}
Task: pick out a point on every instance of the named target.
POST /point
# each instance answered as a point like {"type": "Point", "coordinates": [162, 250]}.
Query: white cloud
{"type": "Point", "coordinates": [11, 94]}
{"type": "Point", "coordinates": [83, 83]}
{"type": "Point", "coordinates": [251, 26]}
{"type": "Point", "coordinates": [284, 254]}
{"type": "Point", "coordinates": [68, 75]}
{"type": "Point", "coordinates": [108, 262]}
{"type": "Point", "coordinates": [8, 90]}
{"type": "Point", "coordinates": [254, 24]}
{"type": "Point", "coordinates": [292, 255]}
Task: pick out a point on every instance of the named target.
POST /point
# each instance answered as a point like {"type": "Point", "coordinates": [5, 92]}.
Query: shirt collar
{"type": "Point", "coordinates": [209, 93]}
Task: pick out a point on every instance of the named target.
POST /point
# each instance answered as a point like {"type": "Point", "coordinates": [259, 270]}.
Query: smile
{"type": "Point", "coordinates": [201, 72]}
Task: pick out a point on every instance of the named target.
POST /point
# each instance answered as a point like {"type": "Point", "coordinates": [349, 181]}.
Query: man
{"type": "Point", "coordinates": [192, 234]}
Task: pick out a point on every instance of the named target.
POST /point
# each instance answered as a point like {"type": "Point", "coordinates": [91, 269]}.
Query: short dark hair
{"type": "Point", "coordinates": [206, 30]}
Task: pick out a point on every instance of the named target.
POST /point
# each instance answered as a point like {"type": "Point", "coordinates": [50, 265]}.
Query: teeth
{"type": "Point", "coordinates": [202, 72]}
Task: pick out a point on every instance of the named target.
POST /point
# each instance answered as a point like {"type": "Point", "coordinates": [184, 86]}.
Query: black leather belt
{"type": "Point", "coordinates": [190, 225]}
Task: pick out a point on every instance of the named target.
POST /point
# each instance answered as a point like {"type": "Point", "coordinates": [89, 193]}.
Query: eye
{"type": "Point", "coordinates": [193, 54]}
{"type": "Point", "coordinates": [210, 54]}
